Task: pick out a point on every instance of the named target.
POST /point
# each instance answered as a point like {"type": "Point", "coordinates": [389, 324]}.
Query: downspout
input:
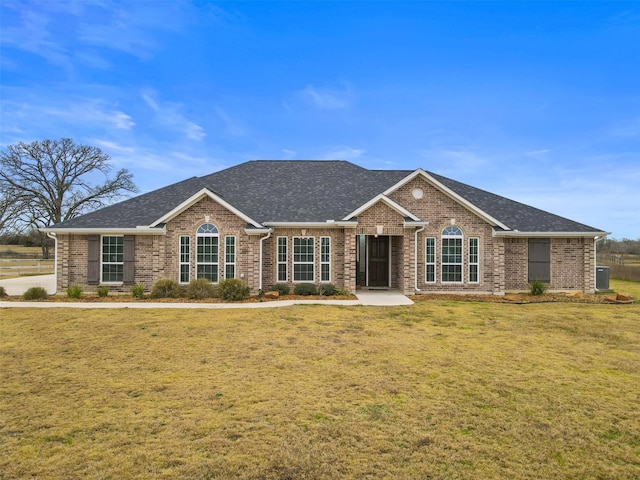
{"type": "Point", "coordinates": [260, 265]}
{"type": "Point", "coordinates": [415, 256]}
{"type": "Point", "coordinates": [54, 237]}
{"type": "Point", "coordinates": [595, 261]}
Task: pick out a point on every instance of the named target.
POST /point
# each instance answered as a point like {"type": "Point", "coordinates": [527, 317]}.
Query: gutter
{"type": "Point", "coordinates": [260, 264]}
{"type": "Point", "coordinates": [54, 237]}
{"type": "Point", "coordinates": [516, 233]}
{"type": "Point", "coordinates": [415, 256]}
{"type": "Point", "coordinates": [595, 261]}
{"type": "Point", "coordinates": [142, 230]}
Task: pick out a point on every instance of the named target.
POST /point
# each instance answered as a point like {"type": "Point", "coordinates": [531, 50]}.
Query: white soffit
{"type": "Point", "coordinates": [383, 198]}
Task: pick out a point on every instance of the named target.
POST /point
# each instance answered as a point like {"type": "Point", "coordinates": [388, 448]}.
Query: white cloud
{"type": "Point", "coordinates": [327, 98]}
{"type": "Point", "coordinates": [342, 152]}
{"type": "Point", "coordinates": [231, 127]}
{"type": "Point", "coordinates": [168, 114]}
{"type": "Point", "coordinates": [535, 153]}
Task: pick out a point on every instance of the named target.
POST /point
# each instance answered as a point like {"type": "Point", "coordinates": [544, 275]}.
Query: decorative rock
{"type": "Point", "coordinates": [272, 295]}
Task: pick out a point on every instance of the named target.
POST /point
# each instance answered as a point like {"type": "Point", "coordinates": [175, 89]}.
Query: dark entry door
{"type": "Point", "coordinates": [379, 262]}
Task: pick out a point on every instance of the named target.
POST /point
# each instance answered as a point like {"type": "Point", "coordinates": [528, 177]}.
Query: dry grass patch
{"type": "Point", "coordinates": [440, 389]}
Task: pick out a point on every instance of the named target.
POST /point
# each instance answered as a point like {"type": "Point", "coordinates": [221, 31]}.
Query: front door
{"type": "Point", "coordinates": [379, 261]}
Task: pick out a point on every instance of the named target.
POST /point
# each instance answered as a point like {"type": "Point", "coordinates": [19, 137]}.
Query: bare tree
{"type": "Point", "coordinates": [50, 181]}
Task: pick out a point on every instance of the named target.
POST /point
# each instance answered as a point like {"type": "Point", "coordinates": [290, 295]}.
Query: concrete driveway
{"type": "Point", "coordinates": [17, 286]}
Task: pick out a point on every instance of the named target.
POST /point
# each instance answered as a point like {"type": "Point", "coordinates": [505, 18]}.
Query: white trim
{"type": "Point", "coordinates": [217, 262]}
{"type": "Point", "coordinates": [293, 261]}
{"type": "Point", "coordinates": [205, 192]}
{"type": "Point", "coordinates": [516, 233]}
{"type": "Point", "coordinates": [107, 231]}
{"type": "Point", "coordinates": [327, 224]}
{"type": "Point", "coordinates": [383, 198]}
{"type": "Point", "coordinates": [447, 191]}
{"type": "Point", "coordinates": [257, 231]}
{"type": "Point", "coordinates": [462, 253]}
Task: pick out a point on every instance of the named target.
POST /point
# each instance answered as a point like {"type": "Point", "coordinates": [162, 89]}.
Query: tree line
{"type": "Point", "coordinates": [47, 182]}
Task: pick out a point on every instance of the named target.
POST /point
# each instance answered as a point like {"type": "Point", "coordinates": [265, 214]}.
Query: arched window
{"type": "Point", "coordinates": [452, 241]}
{"type": "Point", "coordinates": [207, 254]}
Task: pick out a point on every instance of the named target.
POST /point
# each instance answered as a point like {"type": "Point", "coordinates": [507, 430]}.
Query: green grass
{"type": "Point", "coordinates": [440, 389]}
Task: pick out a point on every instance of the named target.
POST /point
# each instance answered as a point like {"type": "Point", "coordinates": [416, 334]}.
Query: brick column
{"type": "Point", "coordinates": [499, 272]}
{"type": "Point", "coordinates": [350, 259]}
{"type": "Point", "coordinates": [408, 261]}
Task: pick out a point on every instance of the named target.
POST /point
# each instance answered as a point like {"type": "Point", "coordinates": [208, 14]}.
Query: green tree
{"type": "Point", "coordinates": [50, 181]}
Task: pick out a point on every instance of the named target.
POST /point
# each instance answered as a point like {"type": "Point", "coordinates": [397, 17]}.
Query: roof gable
{"type": "Point", "coordinates": [386, 200]}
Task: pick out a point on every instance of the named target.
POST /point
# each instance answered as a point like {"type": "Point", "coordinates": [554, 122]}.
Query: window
{"type": "Point", "coordinates": [185, 263]}
{"type": "Point", "coordinates": [282, 259]}
{"type": "Point", "coordinates": [430, 260]}
{"type": "Point", "coordinates": [474, 260]}
{"type": "Point", "coordinates": [452, 254]}
{"type": "Point", "coordinates": [207, 252]}
{"type": "Point", "coordinates": [112, 259]}
{"type": "Point", "coordinates": [230, 257]}
{"type": "Point", "coordinates": [325, 259]}
{"type": "Point", "coordinates": [540, 259]}
{"type": "Point", "coordinates": [303, 259]}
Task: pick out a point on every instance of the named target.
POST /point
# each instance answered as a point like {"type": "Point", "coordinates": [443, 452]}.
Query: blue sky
{"type": "Point", "coordinates": [539, 102]}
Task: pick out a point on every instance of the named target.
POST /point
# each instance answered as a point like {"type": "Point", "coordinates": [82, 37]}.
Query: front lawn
{"type": "Point", "coordinates": [440, 389]}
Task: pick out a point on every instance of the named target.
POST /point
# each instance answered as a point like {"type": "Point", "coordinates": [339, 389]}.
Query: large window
{"type": "Point", "coordinates": [282, 259]}
{"type": "Point", "coordinates": [112, 259]}
{"type": "Point", "coordinates": [207, 252]}
{"type": "Point", "coordinates": [452, 255]}
{"type": "Point", "coordinates": [303, 259]}
{"type": "Point", "coordinates": [230, 257]}
{"type": "Point", "coordinates": [474, 260]}
{"type": "Point", "coordinates": [325, 259]}
{"type": "Point", "coordinates": [185, 256]}
{"type": "Point", "coordinates": [430, 260]}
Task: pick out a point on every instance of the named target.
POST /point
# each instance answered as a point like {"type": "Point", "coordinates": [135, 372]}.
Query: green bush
{"type": "Point", "coordinates": [166, 288]}
{"type": "Point", "coordinates": [74, 291]}
{"type": "Point", "coordinates": [3, 292]}
{"type": "Point", "coordinates": [103, 291]}
{"type": "Point", "coordinates": [327, 289]}
{"type": "Point", "coordinates": [234, 290]}
{"type": "Point", "coordinates": [344, 292]}
{"type": "Point", "coordinates": [35, 293]}
{"type": "Point", "coordinates": [200, 288]}
{"type": "Point", "coordinates": [281, 288]}
{"type": "Point", "coordinates": [537, 287]}
{"type": "Point", "coordinates": [305, 289]}
{"type": "Point", "coordinates": [137, 291]}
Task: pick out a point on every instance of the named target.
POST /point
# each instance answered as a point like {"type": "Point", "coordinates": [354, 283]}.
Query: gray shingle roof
{"type": "Point", "coordinates": [307, 191]}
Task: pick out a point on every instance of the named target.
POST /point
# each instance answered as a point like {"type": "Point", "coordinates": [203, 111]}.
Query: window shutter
{"type": "Point", "coordinates": [540, 259]}
{"type": "Point", "coordinates": [129, 258]}
{"type": "Point", "coordinates": [93, 256]}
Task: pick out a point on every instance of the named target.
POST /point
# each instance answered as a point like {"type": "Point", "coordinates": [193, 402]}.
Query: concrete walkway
{"type": "Point", "coordinates": [17, 286]}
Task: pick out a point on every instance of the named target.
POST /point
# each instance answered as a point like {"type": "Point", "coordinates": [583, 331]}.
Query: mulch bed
{"type": "Point", "coordinates": [523, 298]}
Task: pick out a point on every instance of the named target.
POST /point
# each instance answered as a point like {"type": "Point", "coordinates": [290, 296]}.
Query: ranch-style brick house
{"type": "Point", "coordinates": [268, 222]}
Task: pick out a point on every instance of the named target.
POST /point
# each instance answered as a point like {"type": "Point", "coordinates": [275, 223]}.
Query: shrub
{"type": "Point", "coordinates": [537, 287]}
{"type": "Point", "coordinates": [200, 288]}
{"type": "Point", "coordinates": [234, 290]}
{"type": "Point", "coordinates": [166, 288]}
{"type": "Point", "coordinates": [35, 293]}
{"type": "Point", "coordinates": [74, 291]}
{"type": "Point", "coordinates": [137, 291]}
{"type": "Point", "coordinates": [3, 292]}
{"type": "Point", "coordinates": [305, 289]}
{"type": "Point", "coordinates": [344, 292]}
{"type": "Point", "coordinates": [281, 288]}
{"type": "Point", "coordinates": [327, 289]}
{"type": "Point", "coordinates": [103, 291]}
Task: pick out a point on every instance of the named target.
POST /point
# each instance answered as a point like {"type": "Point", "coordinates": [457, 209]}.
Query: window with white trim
{"type": "Point", "coordinates": [282, 259]}
{"type": "Point", "coordinates": [185, 259]}
{"type": "Point", "coordinates": [451, 254]}
{"type": "Point", "coordinates": [474, 260]}
{"type": "Point", "coordinates": [207, 252]}
{"type": "Point", "coordinates": [430, 260]}
{"type": "Point", "coordinates": [325, 259]}
{"type": "Point", "coordinates": [112, 259]}
{"type": "Point", "coordinates": [303, 259]}
{"type": "Point", "coordinates": [230, 256]}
